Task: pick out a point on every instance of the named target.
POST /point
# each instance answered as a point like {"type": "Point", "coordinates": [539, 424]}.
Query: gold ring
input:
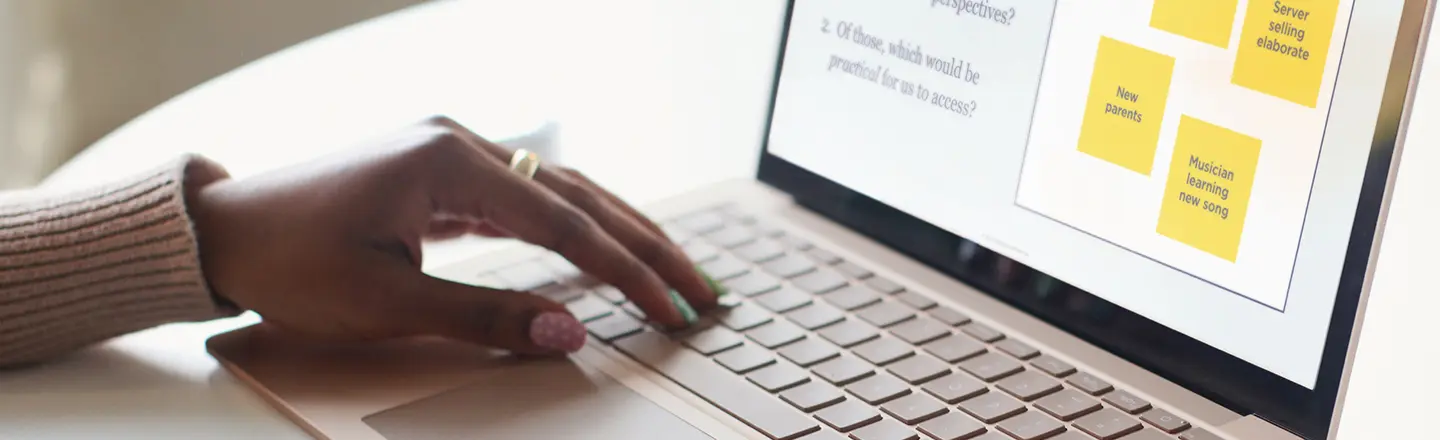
{"type": "Point", "coordinates": [525, 163]}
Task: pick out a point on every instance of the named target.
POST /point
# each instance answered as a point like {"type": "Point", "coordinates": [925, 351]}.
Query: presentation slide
{"type": "Point", "coordinates": [1187, 131]}
{"type": "Point", "coordinates": [949, 82]}
{"type": "Point", "coordinates": [1164, 155]}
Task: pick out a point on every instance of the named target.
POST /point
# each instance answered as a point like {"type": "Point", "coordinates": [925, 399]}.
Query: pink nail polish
{"type": "Point", "coordinates": [557, 331]}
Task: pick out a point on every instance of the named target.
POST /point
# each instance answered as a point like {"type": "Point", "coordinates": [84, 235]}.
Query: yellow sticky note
{"type": "Point", "coordinates": [1128, 91]}
{"type": "Point", "coordinates": [1208, 190]}
{"type": "Point", "coordinates": [1206, 21]}
{"type": "Point", "coordinates": [1283, 48]}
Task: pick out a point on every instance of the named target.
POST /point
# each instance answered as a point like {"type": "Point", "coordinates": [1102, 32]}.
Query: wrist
{"type": "Point", "coordinates": [201, 173]}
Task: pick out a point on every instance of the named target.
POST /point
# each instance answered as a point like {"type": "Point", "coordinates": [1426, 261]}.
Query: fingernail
{"type": "Point", "coordinates": [716, 287]}
{"type": "Point", "coordinates": [683, 307]}
{"type": "Point", "coordinates": [557, 331]}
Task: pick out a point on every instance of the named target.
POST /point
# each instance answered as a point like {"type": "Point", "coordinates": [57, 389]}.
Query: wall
{"type": "Point", "coordinates": [73, 70]}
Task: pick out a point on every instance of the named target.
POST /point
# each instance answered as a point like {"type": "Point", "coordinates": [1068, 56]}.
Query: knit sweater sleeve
{"type": "Point", "coordinates": [79, 268]}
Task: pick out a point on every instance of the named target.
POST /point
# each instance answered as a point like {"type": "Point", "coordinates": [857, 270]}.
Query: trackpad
{"type": "Point", "coordinates": [557, 399]}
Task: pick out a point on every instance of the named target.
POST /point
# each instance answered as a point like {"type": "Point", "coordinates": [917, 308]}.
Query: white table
{"type": "Point", "coordinates": [683, 84]}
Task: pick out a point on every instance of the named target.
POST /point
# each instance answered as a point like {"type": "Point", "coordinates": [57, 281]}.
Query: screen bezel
{"type": "Point", "coordinates": [1243, 387]}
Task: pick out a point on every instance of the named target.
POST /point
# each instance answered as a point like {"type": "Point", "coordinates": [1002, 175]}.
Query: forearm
{"type": "Point", "coordinates": [84, 267]}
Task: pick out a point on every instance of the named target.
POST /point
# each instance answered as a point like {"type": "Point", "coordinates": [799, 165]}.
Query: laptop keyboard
{"type": "Point", "coordinates": [815, 347]}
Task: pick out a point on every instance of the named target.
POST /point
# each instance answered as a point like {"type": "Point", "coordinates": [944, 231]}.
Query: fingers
{"type": "Point", "coordinates": [502, 319]}
{"type": "Point", "coordinates": [537, 215]}
{"type": "Point", "coordinates": [643, 239]}
{"type": "Point", "coordinates": [637, 234]}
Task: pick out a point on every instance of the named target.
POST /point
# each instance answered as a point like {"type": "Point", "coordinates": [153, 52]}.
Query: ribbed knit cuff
{"type": "Point", "coordinates": [78, 269]}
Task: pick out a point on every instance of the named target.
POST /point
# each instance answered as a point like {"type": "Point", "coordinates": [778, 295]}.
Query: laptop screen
{"type": "Point", "coordinates": [1193, 162]}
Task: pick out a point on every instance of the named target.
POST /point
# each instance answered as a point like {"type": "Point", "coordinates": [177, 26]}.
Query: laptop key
{"type": "Point", "coordinates": [1031, 426]}
{"type": "Point", "coordinates": [1164, 420]}
{"type": "Point", "coordinates": [744, 317]}
{"type": "Point", "coordinates": [700, 251]}
{"type": "Point", "coordinates": [732, 236]}
{"type": "Point", "coordinates": [955, 348]}
{"type": "Point", "coordinates": [1148, 434]}
{"type": "Point", "coordinates": [885, 314]}
{"type": "Point", "coordinates": [614, 327]}
{"type": "Point", "coordinates": [1054, 367]}
{"type": "Point", "coordinates": [918, 369]}
{"type": "Point", "coordinates": [920, 330]}
{"type": "Point", "coordinates": [853, 297]}
{"type": "Point", "coordinates": [778, 377]}
{"type": "Point", "coordinates": [812, 395]}
{"type": "Point", "coordinates": [849, 333]}
{"type": "Point", "coordinates": [752, 284]}
{"type": "Point", "coordinates": [952, 426]}
{"type": "Point", "coordinates": [822, 280]}
{"type": "Point", "coordinates": [712, 340]}
{"type": "Point", "coordinates": [823, 256]}
{"type": "Point", "coordinates": [847, 415]}
{"type": "Point", "coordinates": [1107, 424]}
{"type": "Point", "coordinates": [825, 435]}
{"type": "Point", "coordinates": [883, 351]}
{"type": "Point", "coordinates": [783, 300]}
{"type": "Point", "coordinates": [1199, 434]}
{"type": "Point", "coordinates": [633, 310]}
{"type": "Point", "coordinates": [1068, 404]}
{"type": "Point", "coordinates": [914, 408]}
{"type": "Point", "coordinates": [992, 407]}
{"type": "Point", "coordinates": [991, 366]}
{"type": "Point", "coordinates": [610, 293]}
{"type": "Point", "coordinates": [761, 250]}
{"type": "Point", "coordinates": [707, 380]}
{"type": "Point", "coordinates": [560, 293]}
{"type": "Point", "coordinates": [744, 359]}
{"type": "Point", "coordinates": [775, 334]}
{"type": "Point", "coordinates": [794, 242]}
{"type": "Point", "coordinates": [702, 222]}
{"type": "Point", "coordinates": [815, 316]}
{"type": "Point", "coordinates": [676, 233]}
{"type": "Point", "coordinates": [789, 266]}
{"type": "Point", "coordinates": [916, 300]}
{"type": "Point", "coordinates": [1028, 385]}
{"type": "Point", "coordinates": [766, 228]}
{"type": "Point", "coordinates": [853, 270]}
{"type": "Point", "coordinates": [1089, 383]}
{"type": "Point", "coordinates": [885, 429]}
{"type": "Point", "coordinates": [878, 389]}
{"type": "Point", "coordinates": [949, 316]}
{"type": "Point", "coordinates": [1126, 402]}
{"type": "Point", "coordinates": [884, 286]}
{"type": "Point", "coordinates": [809, 352]}
{"type": "Point", "coordinates": [526, 276]}
{"type": "Point", "coordinates": [843, 370]}
{"type": "Point", "coordinates": [982, 332]}
{"type": "Point", "coordinates": [563, 269]}
{"type": "Point", "coordinates": [954, 388]}
{"type": "Point", "coordinates": [1019, 350]}
{"type": "Point", "coordinates": [589, 308]}
{"type": "Point", "coordinates": [724, 267]}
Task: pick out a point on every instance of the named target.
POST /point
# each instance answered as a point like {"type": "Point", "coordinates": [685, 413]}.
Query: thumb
{"type": "Point", "coordinates": [510, 320]}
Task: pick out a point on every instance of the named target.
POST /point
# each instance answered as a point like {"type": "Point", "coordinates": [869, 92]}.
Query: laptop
{"type": "Point", "coordinates": [1063, 220]}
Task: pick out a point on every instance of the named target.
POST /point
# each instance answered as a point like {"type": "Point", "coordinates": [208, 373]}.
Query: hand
{"type": "Point", "coordinates": [332, 248]}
